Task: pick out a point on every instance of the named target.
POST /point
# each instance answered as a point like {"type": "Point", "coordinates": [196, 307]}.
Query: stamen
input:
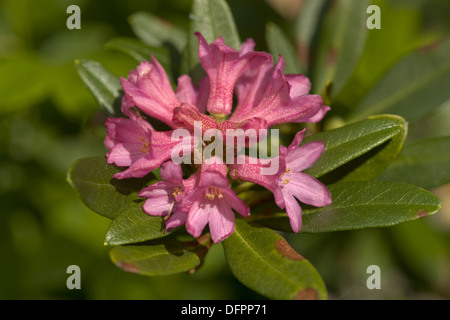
{"type": "Point", "coordinates": [177, 191]}
{"type": "Point", "coordinates": [213, 192]}
{"type": "Point", "coordinates": [166, 217]}
{"type": "Point", "coordinates": [286, 181]}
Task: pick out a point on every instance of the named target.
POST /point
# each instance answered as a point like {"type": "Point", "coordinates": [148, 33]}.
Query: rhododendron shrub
{"type": "Point", "coordinates": [187, 162]}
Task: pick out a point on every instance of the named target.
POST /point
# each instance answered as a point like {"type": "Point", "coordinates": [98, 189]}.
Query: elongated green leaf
{"type": "Point", "coordinates": [377, 160]}
{"type": "Point", "coordinates": [263, 261]}
{"type": "Point", "coordinates": [400, 34]}
{"type": "Point", "coordinates": [156, 258]}
{"type": "Point", "coordinates": [103, 84]}
{"type": "Point", "coordinates": [92, 179]}
{"type": "Point", "coordinates": [341, 42]}
{"type": "Point", "coordinates": [361, 204]}
{"type": "Point", "coordinates": [354, 140]}
{"type": "Point", "coordinates": [413, 87]}
{"type": "Point", "coordinates": [133, 225]}
{"type": "Point", "coordinates": [425, 163]}
{"type": "Point", "coordinates": [306, 27]}
{"type": "Point", "coordinates": [156, 32]}
{"type": "Point", "coordinates": [279, 44]}
{"type": "Point", "coordinates": [139, 51]}
{"type": "Point", "coordinates": [213, 19]}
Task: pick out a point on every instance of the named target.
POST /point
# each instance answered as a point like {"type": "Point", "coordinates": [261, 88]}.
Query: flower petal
{"type": "Point", "coordinates": [235, 202]}
{"type": "Point", "coordinates": [249, 169]}
{"type": "Point", "coordinates": [198, 217]}
{"type": "Point", "coordinates": [151, 91]}
{"type": "Point", "coordinates": [300, 85]}
{"type": "Point", "coordinates": [127, 140]}
{"type": "Point", "coordinates": [203, 94]}
{"type": "Point", "coordinates": [172, 172]}
{"type": "Point", "coordinates": [160, 203]}
{"type": "Point", "coordinates": [296, 141]}
{"type": "Point", "coordinates": [313, 117]}
{"type": "Point", "coordinates": [186, 92]}
{"type": "Point", "coordinates": [294, 212]}
{"type": "Point", "coordinates": [305, 156]}
{"type": "Point", "coordinates": [247, 46]}
{"type": "Point", "coordinates": [250, 88]}
{"type": "Point", "coordinates": [276, 106]}
{"type": "Point", "coordinates": [178, 218]}
{"type": "Point", "coordinates": [224, 65]}
{"type": "Point", "coordinates": [186, 115]}
{"type": "Point", "coordinates": [213, 173]}
{"type": "Point", "coordinates": [221, 221]}
{"type": "Point", "coordinates": [157, 150]}
{"type": "Point", "coordinates": [307, 189]}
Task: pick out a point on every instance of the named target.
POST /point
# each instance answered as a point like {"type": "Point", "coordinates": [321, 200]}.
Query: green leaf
{"type": "Point", "coordinates": [263, 261]}
{"type": "Point", "coordinates": [354, 140]}
{"type": "Point", "coordinates": [401, 32]}
{"type": "Point", "coordinates": [279, 44]}
{"type": "Point", "coordinates": [340, 44]}
{"type": "Point", "coordinates": [213, 19]}
{"type": "Point", "coordinates": [306, 27]}
{"type": "Point", "coordinates": [133, 225]}
{"type": "Point", "coordinates": [159, 257]}
{"type": "Point", "coordinates": [358, 205]}
{"type": "Point", "coordinates": [139, 51]}
{"type": "Point", "coordinates": [156, 32]}
{"type": "Point", "coordinates": [425, 163]}
{"type": "Point", "coordinates": [103, 84]}
{"type": "Point", "coordinates": [92, 179]}
{"type": "Point", "coordinates": [416, 85]}
{"type": "Point", "coordinates": [373, 163]}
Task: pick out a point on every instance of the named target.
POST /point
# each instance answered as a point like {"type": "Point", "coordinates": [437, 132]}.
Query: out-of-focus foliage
{"type": "Point", "coordinates": [48, 119]}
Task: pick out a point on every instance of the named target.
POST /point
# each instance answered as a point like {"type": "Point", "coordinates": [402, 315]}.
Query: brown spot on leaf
{"type": "Point", "coordinates": [128, 267]}
{"type": "Point", "coordinates": [307, 294]}
{"type": "Point", "coordinates": [287, 251]}
{"type": "Point", "coordinates": [432, 46]}
{"type": "Point", "coordinates": [332, 56]}
{"type": "Point", "coordinates": [421, 214]}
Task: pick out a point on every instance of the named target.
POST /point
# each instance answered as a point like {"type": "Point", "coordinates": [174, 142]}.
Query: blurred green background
{"type": "Point", "coordinates": [49, 119]}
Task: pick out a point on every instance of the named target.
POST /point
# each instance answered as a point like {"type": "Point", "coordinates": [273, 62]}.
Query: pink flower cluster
{"type": "Point", "coordinates": [265, 97]}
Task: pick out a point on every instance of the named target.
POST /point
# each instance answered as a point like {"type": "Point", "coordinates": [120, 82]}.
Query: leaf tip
{"type": "Point", "coordinates": [128, 267]}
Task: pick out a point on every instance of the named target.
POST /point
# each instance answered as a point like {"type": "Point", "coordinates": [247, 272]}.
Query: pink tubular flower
{"type": "Point", "coordinates": [150, 90]}
{"type": "Point", "coordinates": [289, 182]}
{"type": "Point", "coordinates": [133, 143]}
{"type": "Point", "coordinates": [277, 98]}
{"type": "Point", "coordinates": [164, 198]}
{"type": "Point", "coordinates": [212, 202]}
{"type": "Point", "coordinates": [224, 66]}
